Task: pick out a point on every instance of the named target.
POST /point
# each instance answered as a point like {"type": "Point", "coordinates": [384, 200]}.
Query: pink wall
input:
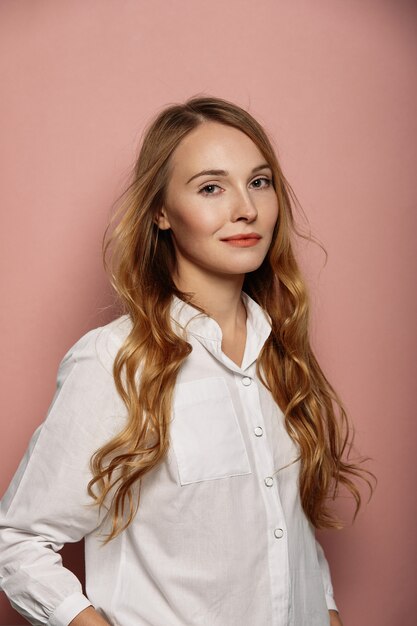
{"type": "Point", "coordinates": [335, 82]}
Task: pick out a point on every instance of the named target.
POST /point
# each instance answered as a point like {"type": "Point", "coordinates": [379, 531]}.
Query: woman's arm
{"type": "Point", "coordinates": [334, 618]}
{"type": "Point", "coordinates": [327, 581]}
{"type": "Point", "coordinates": [47, 504]}
{"type": "Point", "coordinates": [328, 587]}
{"type": "Point", "coordinates": [89, 617]}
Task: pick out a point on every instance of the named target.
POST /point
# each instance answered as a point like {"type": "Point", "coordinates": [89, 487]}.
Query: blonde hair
{"type": "Point", "coordinates": [141, 267]}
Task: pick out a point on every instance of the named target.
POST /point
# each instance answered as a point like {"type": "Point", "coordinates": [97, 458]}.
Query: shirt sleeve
{"type": "Point", "coordinates": [46, 504]}
{"type": "Point", "coordinates": [327, 582]}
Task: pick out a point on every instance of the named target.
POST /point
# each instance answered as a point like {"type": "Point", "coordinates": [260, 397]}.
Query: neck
{"type": "Point", "coordinates": [219, 296]}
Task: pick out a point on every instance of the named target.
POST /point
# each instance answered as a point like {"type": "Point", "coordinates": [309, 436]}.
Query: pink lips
{"type": "Point", "coordinates": [243, 240]}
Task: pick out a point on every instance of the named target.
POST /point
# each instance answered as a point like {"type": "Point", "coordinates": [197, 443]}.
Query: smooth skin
{"type": "Point", "coordinates": [201, 210]}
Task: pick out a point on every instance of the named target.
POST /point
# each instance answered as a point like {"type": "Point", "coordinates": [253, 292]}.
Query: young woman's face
{"type": "Point", "coordinates": [205, 209]}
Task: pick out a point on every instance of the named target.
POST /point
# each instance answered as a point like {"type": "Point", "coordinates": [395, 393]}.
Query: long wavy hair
{"type": "Point", "coordinates": [141, 266]}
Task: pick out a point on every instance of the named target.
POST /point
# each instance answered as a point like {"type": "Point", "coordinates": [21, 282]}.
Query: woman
{"type": "Point", "coordinates": [193, 440]}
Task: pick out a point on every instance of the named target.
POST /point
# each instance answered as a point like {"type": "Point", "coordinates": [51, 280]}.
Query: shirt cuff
{"type": "Point", "coordinates": [68, 609]}
{"type": "Point", "coordinates": [331, 604]}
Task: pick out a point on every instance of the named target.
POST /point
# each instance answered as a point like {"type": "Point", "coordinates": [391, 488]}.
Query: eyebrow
{"type": "Point", "coordinates": [225, 173]}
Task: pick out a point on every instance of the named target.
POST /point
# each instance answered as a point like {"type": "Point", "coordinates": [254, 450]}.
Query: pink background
{"type": "Point", "coordinates": [334, 81]}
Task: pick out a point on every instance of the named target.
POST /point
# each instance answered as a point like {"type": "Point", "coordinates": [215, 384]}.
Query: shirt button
{"type": "Point", "coordinates": [269, 481]}
{"type": "Point", "coordinates": [278, 532]}
{"type": "Point", "coordinates": [246, 381]}
{"type": "Point", "coordinates": [258, 431]}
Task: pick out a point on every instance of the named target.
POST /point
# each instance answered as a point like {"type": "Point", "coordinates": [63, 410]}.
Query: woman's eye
{"type": "Point", "coordinates": [268, 182]}
{"type": "Point", "coordinates": [258, 183]}
{"type": "Point", "coordinates": [207, 190]}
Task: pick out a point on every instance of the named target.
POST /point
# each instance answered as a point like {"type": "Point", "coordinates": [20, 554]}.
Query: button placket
{"type": "Point", "coordinates": [258, 431]}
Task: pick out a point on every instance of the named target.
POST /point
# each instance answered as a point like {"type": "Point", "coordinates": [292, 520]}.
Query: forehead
{"type": "Point", "coordinates": [214, 145]}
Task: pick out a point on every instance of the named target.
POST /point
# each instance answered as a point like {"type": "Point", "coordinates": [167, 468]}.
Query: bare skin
{"type": "Point", "coordinates": [234, 341]}
{"type": "Point", "coordinates": [203, 210]}
{"type": "Point", "coordinates": [89, 617]}
{"type": "Point", "coordinates": [334, 618]}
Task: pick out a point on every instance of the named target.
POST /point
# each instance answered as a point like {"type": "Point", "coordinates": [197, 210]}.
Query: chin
{"type": "Point", "coordinates": [242, 268]}
{"type": "Point", "coordinates": [250, 265]}
{"type": "Point", "coordinates": [232, 266]}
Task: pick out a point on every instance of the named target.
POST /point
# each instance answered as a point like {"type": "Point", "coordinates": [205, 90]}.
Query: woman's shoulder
{"type": "Point", "coordinates": [100, 344]}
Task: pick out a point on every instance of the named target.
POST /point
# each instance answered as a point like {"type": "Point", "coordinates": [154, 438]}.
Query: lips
{"type": "Point", "coordinates": [242, 236]}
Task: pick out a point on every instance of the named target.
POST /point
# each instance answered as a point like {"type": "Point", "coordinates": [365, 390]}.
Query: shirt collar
{"type": "Point", "coordinates": [208, 332]}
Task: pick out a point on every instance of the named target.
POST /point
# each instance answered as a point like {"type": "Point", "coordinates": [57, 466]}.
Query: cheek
{"type": "Point", "coordinates": [195, 223]}
{"type": "Point", "coordinates": [272, 215]}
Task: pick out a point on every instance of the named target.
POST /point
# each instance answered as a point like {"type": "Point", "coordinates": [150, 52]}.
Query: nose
{"type": "Point", "coordinates": [244, 207]}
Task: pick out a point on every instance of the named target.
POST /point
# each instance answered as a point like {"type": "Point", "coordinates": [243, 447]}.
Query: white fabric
{"type": "Point", "coordinates": [220, 538]}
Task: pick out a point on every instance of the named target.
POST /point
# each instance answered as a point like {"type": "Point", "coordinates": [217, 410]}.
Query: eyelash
{"type": "Point", "coordinates": [203, 193]}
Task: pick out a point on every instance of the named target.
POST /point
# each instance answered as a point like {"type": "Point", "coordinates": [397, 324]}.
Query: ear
{"type": "Point", "coordinates": [161, 219]}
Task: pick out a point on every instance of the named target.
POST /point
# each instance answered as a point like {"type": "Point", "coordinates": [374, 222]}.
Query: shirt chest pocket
{"type": "Point", "coordinates": [205, 432]}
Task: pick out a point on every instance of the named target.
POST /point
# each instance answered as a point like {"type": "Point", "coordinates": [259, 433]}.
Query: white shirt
{"type": "Point", "coordinates": [220, 537]}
